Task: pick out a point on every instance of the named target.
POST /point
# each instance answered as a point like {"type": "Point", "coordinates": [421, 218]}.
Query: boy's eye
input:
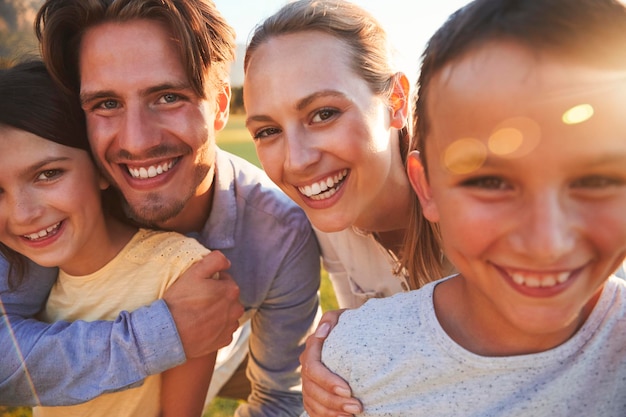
{"type": "Point", "coordinates": [488, 183]}
{"type": "Point", "coordinates": [265, 133]}
{"type": "Point", "coordinates": [323, 115]}
{"type": "Point", "coordinates": [597, 182]}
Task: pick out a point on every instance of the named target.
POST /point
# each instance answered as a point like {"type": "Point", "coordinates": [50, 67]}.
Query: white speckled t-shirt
{"type": "Point", "coordinates": [400, 362]}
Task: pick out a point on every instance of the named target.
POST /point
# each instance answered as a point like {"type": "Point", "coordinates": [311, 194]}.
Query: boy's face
{"type": "Point", "coordinates": [527, 180]}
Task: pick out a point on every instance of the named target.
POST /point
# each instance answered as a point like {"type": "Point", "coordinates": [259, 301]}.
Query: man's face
{"type": "Point", "coordinates": [152, 135]}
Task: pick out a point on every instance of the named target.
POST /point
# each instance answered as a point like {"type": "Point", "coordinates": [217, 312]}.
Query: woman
{"type": "Point", "coordinates": [329, 116]}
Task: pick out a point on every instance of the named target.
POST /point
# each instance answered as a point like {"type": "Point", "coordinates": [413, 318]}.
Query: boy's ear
{"type": "Point", "coordinates": [223, 107]}
{"type": "Point", "coordinates": [419, 182]}
{"type": "Point", "coordinates": [399, 101]}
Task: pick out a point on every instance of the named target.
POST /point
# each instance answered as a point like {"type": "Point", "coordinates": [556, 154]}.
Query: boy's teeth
{"type": "Point", "coordinates": [539, 280]}
{"type": "Point", "coordinates": [42, 233]}
{"type": "Point", "coordinates": [151, 171]}
{"type": "Point", "coordinates": [323, 189]}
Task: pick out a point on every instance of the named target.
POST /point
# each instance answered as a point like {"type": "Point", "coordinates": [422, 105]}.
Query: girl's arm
{"type": "Point", "coordinates": [184, 388]}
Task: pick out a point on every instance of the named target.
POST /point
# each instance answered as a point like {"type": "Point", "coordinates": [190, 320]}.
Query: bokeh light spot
{"type": "Point", "coordinates": [505, 141]}
{"type": "Point", "coordinates": [465, 155]}
{"type": "Point", "coordinates": [578, 114]}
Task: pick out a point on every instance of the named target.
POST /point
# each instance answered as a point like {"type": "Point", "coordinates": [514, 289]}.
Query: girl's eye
{"type": "Point", "coordinates": [487, 183]}
{"type": "Point", "coordinates": [49, 174]}
{"type": "Point", "coordinates": [324, 115]}
{"type": "Point", "coordinates": [265, 133]}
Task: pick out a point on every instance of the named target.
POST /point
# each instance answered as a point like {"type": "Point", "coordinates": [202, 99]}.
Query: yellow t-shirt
{"type": "Point", "coordinates": [137, 276]}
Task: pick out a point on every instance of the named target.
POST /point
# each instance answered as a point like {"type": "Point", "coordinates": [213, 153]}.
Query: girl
{"type": "Point", "coordinates": [51, 211]}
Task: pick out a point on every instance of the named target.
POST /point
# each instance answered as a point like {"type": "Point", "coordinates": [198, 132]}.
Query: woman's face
{"type": "Point", "coordinates": [321, 134]}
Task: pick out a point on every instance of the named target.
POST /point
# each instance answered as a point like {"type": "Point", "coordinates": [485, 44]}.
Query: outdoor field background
{"type": "Point", "coordinates": [235, 139]}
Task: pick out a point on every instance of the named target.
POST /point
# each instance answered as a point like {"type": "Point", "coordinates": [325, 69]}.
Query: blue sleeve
{"type": "Point", "coordinates": [67, 363]}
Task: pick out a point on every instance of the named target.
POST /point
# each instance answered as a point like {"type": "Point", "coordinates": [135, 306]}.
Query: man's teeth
{"type": "Point", "coordinates": [325, 188]}
{"type": "Point", "coordinates": [42, 233]}
{"type": "Point", "coordinates": [540, 280]}
{"type": "Point", "coordinates": [151, 171]}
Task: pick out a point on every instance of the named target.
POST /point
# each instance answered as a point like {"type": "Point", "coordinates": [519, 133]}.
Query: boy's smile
{"type": "Point", "coordinates": [530, 198]}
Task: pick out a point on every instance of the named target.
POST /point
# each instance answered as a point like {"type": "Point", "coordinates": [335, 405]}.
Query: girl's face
{"type": "Point", "coordinates": [321, 134]}
{"type": "Point", "coordinates": [49, 200]}
{"type": "Point", "coordinates": [527, 180]}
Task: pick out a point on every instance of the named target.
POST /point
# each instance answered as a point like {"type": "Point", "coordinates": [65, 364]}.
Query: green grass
{"type": "Point", "coordinates": [235, 139]}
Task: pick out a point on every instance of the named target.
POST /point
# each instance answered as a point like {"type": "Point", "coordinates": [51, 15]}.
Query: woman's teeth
{"type": "Point", "coordinates": [325, 188]}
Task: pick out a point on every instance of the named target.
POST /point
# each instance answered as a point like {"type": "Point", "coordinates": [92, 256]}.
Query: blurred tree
{"type": "Point", "coordinates": [17, 35]}
{"type": "Point", "coordinates": [236, 100]}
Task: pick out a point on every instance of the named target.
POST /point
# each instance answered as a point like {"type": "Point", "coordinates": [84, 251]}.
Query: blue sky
{"type": "Point", "coordinates": [408, 22]}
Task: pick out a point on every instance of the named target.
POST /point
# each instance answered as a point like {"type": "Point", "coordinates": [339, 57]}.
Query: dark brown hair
{"type": "Point", "coordinates": [206, 41]}
{"type": "Point", "coordinates": [31, 101]}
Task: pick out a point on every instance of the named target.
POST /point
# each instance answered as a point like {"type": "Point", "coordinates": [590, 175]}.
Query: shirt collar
{"type": "Point", "coordinates": [219, 230]}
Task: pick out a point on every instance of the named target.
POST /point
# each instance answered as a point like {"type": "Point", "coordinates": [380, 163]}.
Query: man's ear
{"type": "Point", "coordinates": [399, 101]}
{"type": "Point", "coordinates": [103, 183]}
{"type": "Point", "coordinates": [419, 182]}
{"type": "Point", "coordinates": [223, 107]}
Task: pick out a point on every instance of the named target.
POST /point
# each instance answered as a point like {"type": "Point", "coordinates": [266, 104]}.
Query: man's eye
{"type": "Point", "coordinates": [169, 98]}
{"type": "Point", "coordinates": [107, 105]}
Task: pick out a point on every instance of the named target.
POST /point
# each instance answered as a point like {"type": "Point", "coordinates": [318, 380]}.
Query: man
{"type": "Point", "coordinates": [152, 76]}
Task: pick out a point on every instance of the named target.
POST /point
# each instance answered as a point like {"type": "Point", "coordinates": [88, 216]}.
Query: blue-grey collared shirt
{"type": "Point", "coordinates": [275, 261]}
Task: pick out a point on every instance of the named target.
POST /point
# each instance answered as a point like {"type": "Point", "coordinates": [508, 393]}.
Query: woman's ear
{"type": "Point", "coordinates": [419, 182]}
{"type": "Point", "coordinates": [399, 101]}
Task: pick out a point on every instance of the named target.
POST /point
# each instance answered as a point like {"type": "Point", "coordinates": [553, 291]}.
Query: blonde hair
{"type": "Point", "coordinates": [371, 58]}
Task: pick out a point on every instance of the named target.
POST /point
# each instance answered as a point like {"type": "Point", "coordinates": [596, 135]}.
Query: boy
{"type": "Point", "coordinates": [522, 165]}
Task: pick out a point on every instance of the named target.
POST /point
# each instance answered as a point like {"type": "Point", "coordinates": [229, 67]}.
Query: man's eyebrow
{"type": "Point", "coordinates": [96, 95]}
{"type": "Point", "coordinates": [88, 96]}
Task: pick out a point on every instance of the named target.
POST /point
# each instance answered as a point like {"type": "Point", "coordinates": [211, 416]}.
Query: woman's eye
{"type": "Point", "coordinates": [49, 174]}
{"type": "Point", "coordinates": [323, 115]}
{"type": "Point", "coordinates": [487, 183]}
{"type": "Point", "coordinates": [265, 133]}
